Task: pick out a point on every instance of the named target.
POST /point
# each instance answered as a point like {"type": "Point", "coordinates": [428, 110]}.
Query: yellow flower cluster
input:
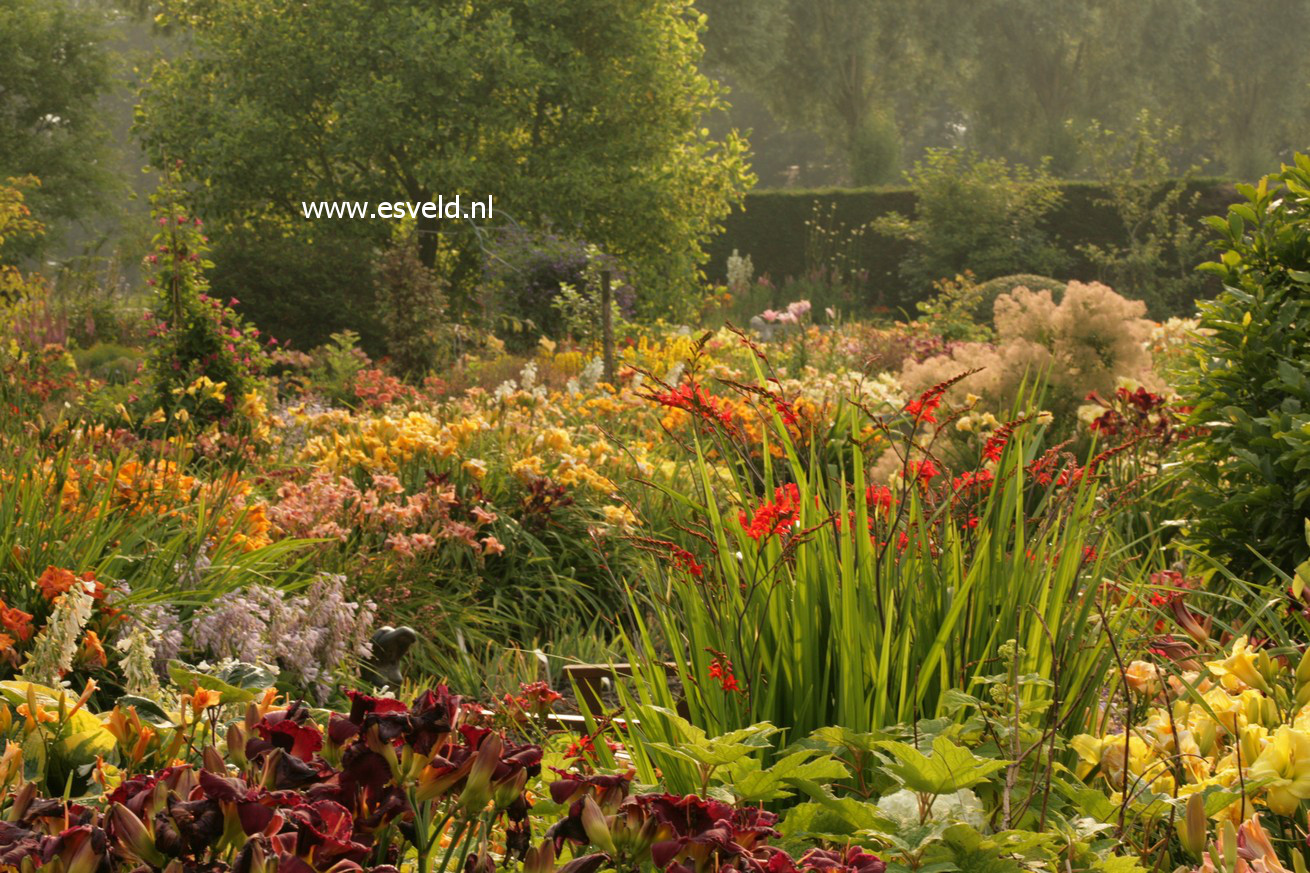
{"type": "Point", "coordinates": [384, 443]}
{"type": "Point", "coordinates": [1230, 726]}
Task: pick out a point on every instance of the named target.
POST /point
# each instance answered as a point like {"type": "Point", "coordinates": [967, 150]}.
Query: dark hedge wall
{"type": "Point", "coordinates": [771, 229]}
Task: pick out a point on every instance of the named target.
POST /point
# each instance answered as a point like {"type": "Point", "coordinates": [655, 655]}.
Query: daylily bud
{"type": "Point", "coordinates": [236, 744]}
{"type": "Point", "coordinates": [477, 788]}
{"type": "Point", "coordinates": [1193, 827]}
{"type": "Point", "coordinates": [133, 836]}
{"type": "Point", "coordinates": [213, 761]}
{"type": "Point", "coordinates": [1252, 709]}
{"type": "Point", "coordinates": [586, 864]}
{"type": "Point", "coordinates": [540, 859]}
{"type": "Point", "coordinates": [1303, 669]}
{"type": "Point", "coordinates": [479, 862]}
{"type": "Point", "coordinates": [1230, 845]}
{"type": "Point", "coordinates": [1269, 713]}
{"type": "Point", "coordinates": [1205, 736]}
{"type": "Point", "coordinates": [593, 822]}
{"type": "Point", "coordinates": [1187, 621]}
{"type": "Point", "coordinates": [23, 798]}
{"type": "Point", "coordinates": [509, 789]}
{"type": "Point", "coordinates": [1250, 743]}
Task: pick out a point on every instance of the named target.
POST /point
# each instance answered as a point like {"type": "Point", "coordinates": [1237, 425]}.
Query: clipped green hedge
{"type": "Point", "coordinates": [770, 227]}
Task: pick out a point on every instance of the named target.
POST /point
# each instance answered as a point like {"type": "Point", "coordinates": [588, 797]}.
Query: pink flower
{"type": "Point", "coordinates": [399, 543]}
{"type": "Point", "coordinates": [492, 546]}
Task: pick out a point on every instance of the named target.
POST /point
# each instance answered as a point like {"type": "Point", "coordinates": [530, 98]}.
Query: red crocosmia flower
{"type": "Point", "coordinates": [879, 497]}
{"type": "Point", "coordinates": [773, 517]}
{"type": "Point", "coordinates": [685, 560]}
{"type": "Point", "coordinates": [980, 480]}
{"type": "Point", "coordinates": [692, 398]}
{"type": "Point", "coordinates": [923, 471]}
{"type": "Point", "coordinates": [721, 669]}
{"type": "Point", "coordinates": [787, 411]}
{"type": "Point", "coordinates": [925, 405]}
{"type": "Point", "coordinates": [585, 748]}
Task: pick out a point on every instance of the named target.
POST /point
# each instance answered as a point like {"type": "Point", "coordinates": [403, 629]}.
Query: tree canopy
{"type": "Point", "coordinates": [583, 117]}
{"type": "Point", "coordinates": [53, 68]}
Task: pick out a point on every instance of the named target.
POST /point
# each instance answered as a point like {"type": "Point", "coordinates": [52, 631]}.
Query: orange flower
{"type": "Point", "coordinates": [35, 718]}
{"type": "Point", "coordinates": [93, 652]}
{"type": "Point", "coordinates": [55, 581]}
{"type": "Point", "coordinates": [203, 699]}
{"type": "Point", "coordinates": [15, 620]}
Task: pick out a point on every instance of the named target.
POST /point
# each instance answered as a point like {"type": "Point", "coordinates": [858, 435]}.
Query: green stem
{"type": "Point", "coordinates": [454, 841]}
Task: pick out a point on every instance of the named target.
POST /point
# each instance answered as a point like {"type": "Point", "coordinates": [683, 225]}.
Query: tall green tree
{"type": "Point", "coordinates": [584, 116]}
{"type": "Point", "coordinates": [851, 70]}
{"type": "Point", "coordinates": [1031, 73]}
{"type": "Point", "coordinates": [1237, 77]}
{"type": "Point", "coordinates": [53, 69]}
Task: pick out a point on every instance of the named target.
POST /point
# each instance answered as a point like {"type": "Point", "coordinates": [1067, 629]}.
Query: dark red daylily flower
{"type": "Point", "coordinates": [607, 790]}
{"type": "Point", "coordinates": [297, 736]}
{"type": "Point", "coordinates": [852, 860]}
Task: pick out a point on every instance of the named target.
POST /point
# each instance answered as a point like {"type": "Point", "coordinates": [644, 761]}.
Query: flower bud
{"type": "Point", "coordinates": [1193, 827]}
{"type": "Point", "coordinates": [132, 836]}
{"type": "Point", "coordinates": [236, 744]}
{"type": "Point", "coordinates": [540, 859]}
{"type": "Point", "coordinates": [593, 822]}
{"type": "Point", "coordinates": [213, 761]}
{"type": "Point", "coordinates": [1303, 670]}
{"type": "Point", "coordinates": [477, 788]}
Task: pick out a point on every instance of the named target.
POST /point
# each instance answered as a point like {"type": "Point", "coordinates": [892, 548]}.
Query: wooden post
{"type": "Point", "coordinates": [607, 325]}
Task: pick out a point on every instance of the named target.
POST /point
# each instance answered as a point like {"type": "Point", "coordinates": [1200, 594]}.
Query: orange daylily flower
{"type": "Point", "coordinates": [16, 621]}
{"type": "Point", "coordinates": [203, 699]}
{"type": "Point", "coordinates": [34, 718]}
{"type": "Point", "coordinates": [93, 651]}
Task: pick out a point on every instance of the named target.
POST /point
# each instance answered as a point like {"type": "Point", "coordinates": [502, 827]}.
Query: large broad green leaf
{"type": "Point", "coordinates": [147, 710]}
{"type": "Point", "coordinates": [236, 684]}
{"type": "Point", "coordinates": [693, 745]}
{"type": "Point", "coordinates": [949, 769]}
{"type": "Point", "coordinates": [15, 693]}
{"type": "Point", "coordinates": [818, 821]}
{"type": "Point", "coordinates": [84, 737]}
{"type": "Point", "coordinates": [751, 784]}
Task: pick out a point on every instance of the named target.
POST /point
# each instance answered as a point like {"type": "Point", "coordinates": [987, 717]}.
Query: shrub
{"type": "Point", "coordinates": [203, 357]}
{"type": "Point", "coordinates": [412, 303]}
{"type": "Point", "coordinates": [1162, 244]}
{"type": "Point", "coordinates": [524, 276]}
{"type": "Point", "coordinates": [993, 288]}
{"type": "Point", "coordinates": [980, 214]}
{"type": "Point", "coordinates": [1082, 344]}
{"type": "Point", "coordinates": [109, 362]}
{"type": "Point", "coordinates": [1250, 382]}
{"type": "Point", "coordinates": [301, 283]}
